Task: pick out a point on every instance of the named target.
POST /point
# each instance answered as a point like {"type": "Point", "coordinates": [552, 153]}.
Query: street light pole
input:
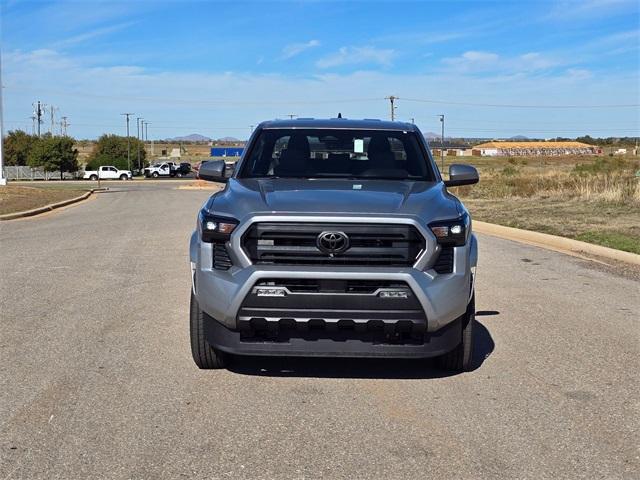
{"type": "Point", "coordinates": [128, 143]}
{"type": "Point", "coordinates": [442, 142]}
{"type": "Point", "coordinates": [3, 180]}
{"type": "Point", "coordinates": [138, 121]}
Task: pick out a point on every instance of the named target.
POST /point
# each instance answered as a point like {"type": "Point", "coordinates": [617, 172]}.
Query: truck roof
{"type": "Point", "coordinates": [339, 123]}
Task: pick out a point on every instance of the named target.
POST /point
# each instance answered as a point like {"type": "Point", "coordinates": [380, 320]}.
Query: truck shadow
{"type": "Point", "coordinates": [360, 367]}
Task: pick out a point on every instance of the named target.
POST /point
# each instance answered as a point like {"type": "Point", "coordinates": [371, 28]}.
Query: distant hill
{"type": "Point", "coordinates": [518, 138]}
{"type": "Point", "coordinates": [194, 137]}
{"type": "Point", "coordinates": [229, 139]}
{"type": "Point", "coordinates": [431, 135]}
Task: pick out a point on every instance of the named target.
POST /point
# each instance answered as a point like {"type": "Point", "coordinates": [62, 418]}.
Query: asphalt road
{"type": "Point", "coordinates": [97, 380]}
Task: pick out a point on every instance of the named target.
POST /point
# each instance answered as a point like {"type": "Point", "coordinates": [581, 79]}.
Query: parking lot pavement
{"type": "Point", "coordinates": [97, 380]}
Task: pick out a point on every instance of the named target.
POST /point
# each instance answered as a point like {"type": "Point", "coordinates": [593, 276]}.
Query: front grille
{"type": "Point", "coordinates": [444, 263]}
{"type": "Point", "coordinates": [221, 260]}
{"type": "Point", "coordinates": [289, 243]}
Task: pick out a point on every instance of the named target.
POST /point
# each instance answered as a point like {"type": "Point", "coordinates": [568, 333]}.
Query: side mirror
{"type": "Point", "coordinates": [230, 168]}
{"type": "Point", "coordinates": [213, 171]}
{"type": "Point", "coordinates": [460, 174]}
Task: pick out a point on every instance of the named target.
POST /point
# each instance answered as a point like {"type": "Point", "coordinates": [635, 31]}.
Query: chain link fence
{"type": "Point", "coordinates": [29, 173]}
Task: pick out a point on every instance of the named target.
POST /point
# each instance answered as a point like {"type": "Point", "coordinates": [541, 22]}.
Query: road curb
{"type": "Point", "coordinates": [51, 206]}
{"type": "Point", "coordinates": [553, 242]}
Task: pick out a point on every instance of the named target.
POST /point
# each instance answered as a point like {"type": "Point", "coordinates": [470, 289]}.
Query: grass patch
{"type": "Point", "coordinates": [15, 198]}
{"type": "Point", "coordinates": [593, 199]}
{"type": "Point", "coordinates": [617, 240]}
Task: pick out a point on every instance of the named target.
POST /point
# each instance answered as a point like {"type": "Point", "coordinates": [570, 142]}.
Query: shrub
{"type": "Point", "coordinates": [54, 154]}
{"type": "Point", "coordinates": [17, 147]}
{"type": "Point", "coordinates": [112, 150]}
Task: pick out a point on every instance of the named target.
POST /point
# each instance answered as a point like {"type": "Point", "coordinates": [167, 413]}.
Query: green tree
{"type": "Point", "coordinates": [112, 150]}
{"type": "Point", "coordinates": [18, 146]}
{"type": "Point", "coordinates": [54, 153]}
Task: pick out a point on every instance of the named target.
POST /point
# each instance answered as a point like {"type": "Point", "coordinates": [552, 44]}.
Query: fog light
{"type": "Point", "coordinates": [393, 294]}
{"type": "Point", "coordinates": [209, 225]}
{"type": "Point", "coordinates": [270, 292]}
{"type": "Point", "coordinates": [456, 229]}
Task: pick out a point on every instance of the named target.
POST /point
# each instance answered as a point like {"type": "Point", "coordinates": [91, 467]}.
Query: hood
{"type": "Point", "coordinates": [244, 197]}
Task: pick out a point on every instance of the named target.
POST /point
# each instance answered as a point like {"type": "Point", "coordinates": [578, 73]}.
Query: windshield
{"type": "Point", "coordinates": [328, 153]}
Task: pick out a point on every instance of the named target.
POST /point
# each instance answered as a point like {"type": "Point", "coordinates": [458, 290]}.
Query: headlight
{"type": "Point", "coordinates": [214, 228]}
{"type": "Point", "coordinates": [451, 233]}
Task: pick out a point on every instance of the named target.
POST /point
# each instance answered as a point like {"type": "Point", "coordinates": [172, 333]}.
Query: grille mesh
{"type": "Point", "coordinates": [290, 243]}
{"type": "Point", "coordinates": [221, 259]}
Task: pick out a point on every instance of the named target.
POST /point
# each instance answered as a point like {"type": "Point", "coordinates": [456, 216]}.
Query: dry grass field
{"type": "Point", "coordinates": [594, 199]}
{"type": "Point", "coordinates": [17, 198]}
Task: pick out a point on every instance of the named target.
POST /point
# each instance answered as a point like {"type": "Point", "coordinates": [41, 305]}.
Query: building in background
{"type": "Point", "coordinates": [226, 151]}
{"type": "Point", "coordinates": [530, 149]}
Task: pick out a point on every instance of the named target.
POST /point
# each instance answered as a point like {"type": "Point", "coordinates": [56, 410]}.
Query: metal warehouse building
{"type": "Point", "coordinates": [514, 149]}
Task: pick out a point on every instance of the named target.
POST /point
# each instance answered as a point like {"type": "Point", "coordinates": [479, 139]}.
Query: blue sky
{"type": "Point", "coordinates": [218, 67]}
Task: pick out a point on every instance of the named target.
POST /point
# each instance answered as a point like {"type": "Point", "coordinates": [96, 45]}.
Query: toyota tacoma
{"type": "Point", "coordinates": [334, 238]}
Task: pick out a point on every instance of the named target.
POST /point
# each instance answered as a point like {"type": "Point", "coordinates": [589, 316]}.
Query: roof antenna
{"type": "Point", "coordinates": [339, 115]}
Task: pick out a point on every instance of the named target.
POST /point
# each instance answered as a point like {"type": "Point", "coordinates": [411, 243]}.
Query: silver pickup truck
{"type": "Point", "coordinates": [334, 238]}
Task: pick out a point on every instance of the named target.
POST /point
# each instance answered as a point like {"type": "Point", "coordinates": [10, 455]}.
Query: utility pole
{"type": "Point", "coordinates": [3, 180]}
{"type": "Point", "coordinates": [128, 143]}
{"type": "Point", "coordinates": [392, 99]}
{"type": "Point", "coordinates": [413, 120]}
{"type": "Point", "coordinates": [442, 142]}
{"type": "Point", "coordinates": [39, 110]}
{"type": "Point", "coordinates": [291, 115]}
{"type": "Point", "coordinates": [33, 124]}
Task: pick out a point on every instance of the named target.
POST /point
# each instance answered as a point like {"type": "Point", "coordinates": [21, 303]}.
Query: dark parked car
{"type": "Point", "coordinates": [183, 169]}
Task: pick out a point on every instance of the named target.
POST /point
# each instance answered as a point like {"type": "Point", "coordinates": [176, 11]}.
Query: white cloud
{"type": "Point", "coordinates": [578, 74]}
{"type": "Point", "coordinates": [294, 49]}
{"type": "Point", "coordinates": [589, 9]}
{"type": "Point", "coordinates": [92, 34]}
{"type": "Point", "coordinates": [226, 103]}
{"type": "Point", "coordinates": [357, 56]}
{"type": "Point", "coordinates": [472, 61]}
{"type": "Point", "coordinates": [488, 62]}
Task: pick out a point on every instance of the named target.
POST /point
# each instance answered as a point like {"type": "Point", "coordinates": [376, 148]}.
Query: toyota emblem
{"type": "Point", "coordinates": [332, 243]}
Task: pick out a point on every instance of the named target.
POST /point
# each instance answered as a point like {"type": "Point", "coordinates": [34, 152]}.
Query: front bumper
{"type": "Point", "coordinates": [227, 340]}
{"type": "Point", "coordinates": [442, 297]}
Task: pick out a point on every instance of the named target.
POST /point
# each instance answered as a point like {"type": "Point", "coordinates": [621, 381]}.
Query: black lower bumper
{"type": "Point", "coordinates": [309, 344]}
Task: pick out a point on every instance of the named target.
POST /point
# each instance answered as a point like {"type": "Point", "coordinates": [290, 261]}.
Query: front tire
{"type": "Point", "coordinates": [205, 356]}
{"type": "Point", "coordinates": [460, 358]}
{"type": "Point", "coordinates": [155, 175]}
{"type": "Point", "coordinates": [123, 177]}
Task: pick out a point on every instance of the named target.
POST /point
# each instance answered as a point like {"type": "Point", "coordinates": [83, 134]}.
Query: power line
{"type": "Point", "coordinates": [316, 102]}
{"type": "Point", "coordinates": [197, 102]}
{"type": "Point", "coordinates": [510, 105]}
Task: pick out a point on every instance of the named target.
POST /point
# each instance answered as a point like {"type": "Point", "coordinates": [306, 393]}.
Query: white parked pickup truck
{"type": "Point", "coordinates": [164, 169]}
{"type": "Point", "coordinates": [107, 173]}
